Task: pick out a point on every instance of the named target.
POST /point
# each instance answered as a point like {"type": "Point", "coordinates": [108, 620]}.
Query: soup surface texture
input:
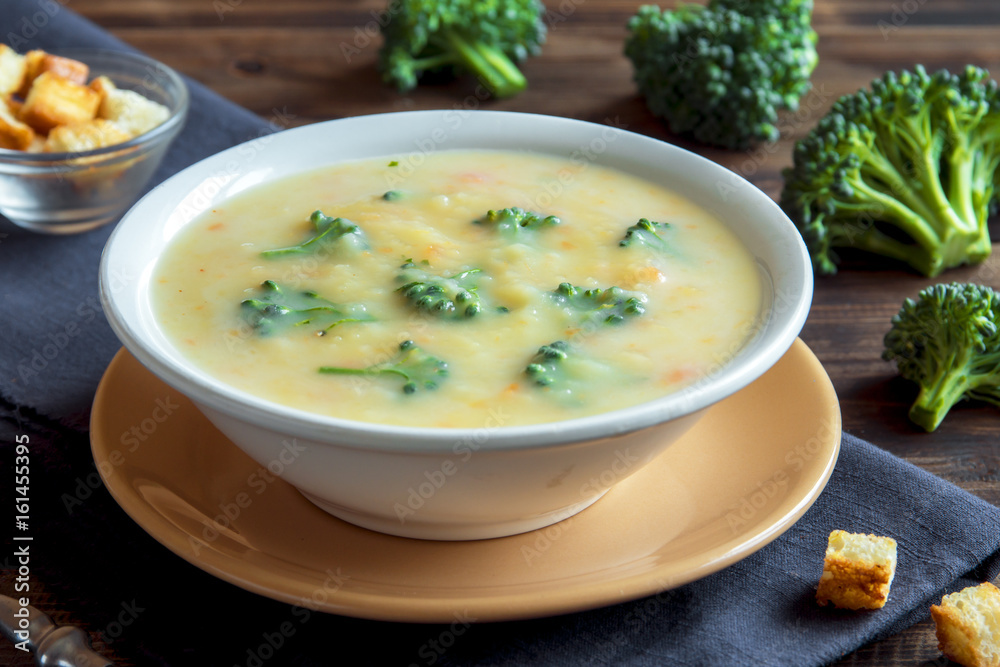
{"type": "Point", "coordinates": [406, 302]}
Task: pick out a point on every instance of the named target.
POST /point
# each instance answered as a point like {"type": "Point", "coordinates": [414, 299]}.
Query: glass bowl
{"type": "Point", "coordinates": [67, 193]}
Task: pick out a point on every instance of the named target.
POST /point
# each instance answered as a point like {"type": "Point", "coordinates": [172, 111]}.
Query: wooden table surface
{"type": "Point", "coordinates": [302, 61]}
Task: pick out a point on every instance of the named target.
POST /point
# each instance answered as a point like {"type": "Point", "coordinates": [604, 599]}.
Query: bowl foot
{"type": "Point", "coordinates": [451, 531]}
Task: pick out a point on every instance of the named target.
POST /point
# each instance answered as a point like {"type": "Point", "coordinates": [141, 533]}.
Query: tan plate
{"type": "Point", "coordinates": [741, 477]}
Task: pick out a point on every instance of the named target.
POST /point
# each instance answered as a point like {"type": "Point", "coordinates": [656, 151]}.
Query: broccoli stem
{"type": "Point", "coordinates": [493, 68]}
{"type": "Point", "coordinates": [872, 240]}
{"type": "Point", "coordinates": [940, 393]}
{"type": "Point", "coordinates": [950, 242]}
{"type": "Point", "coordinates": [985, 387]}
{"type": "Point", "coordinates": [974, 245]}
{"type": "Point", "coordinates": [336, 370]}
{"type": "Point", "coordinates": [430, 62]}
{"type": "Point", "coordinates": [950, 207]}
{"type": "Point", "coordinates": [886, 170]}
{"type": "Point", "coordinates": [970, 171]}
{"type": "Point", "coordinates": [960, 182]}
{"type": "Point", "coordinates": [970, 186]}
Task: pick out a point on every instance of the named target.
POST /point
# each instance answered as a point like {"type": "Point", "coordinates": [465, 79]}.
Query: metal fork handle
{"type": "Point", "coordinates": [53, 645]}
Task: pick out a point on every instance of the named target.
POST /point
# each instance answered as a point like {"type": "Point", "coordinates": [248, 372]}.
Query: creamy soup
{"type": "Point", "coordinates": [397, 293]}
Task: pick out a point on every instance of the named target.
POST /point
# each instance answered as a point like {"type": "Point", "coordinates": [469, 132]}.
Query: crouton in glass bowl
{"type": "Point", "coordinates": [81, 134]}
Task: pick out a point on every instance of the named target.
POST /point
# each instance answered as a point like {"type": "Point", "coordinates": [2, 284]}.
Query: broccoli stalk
{"type": "Point", "coordinates": [417, 368]}
{"type": "Point", "coordinates": [722, 72]}
{"type": "Point", "coordinates": [948, 342]}
{"type": "Point", "coordinates": [274, 309]}
{"type": "Point", "coordinates": [484, 37]}
{"type": "Point", "coordinates": [906, 170]}
{"type": "Point", "coordinates": [328, 231]}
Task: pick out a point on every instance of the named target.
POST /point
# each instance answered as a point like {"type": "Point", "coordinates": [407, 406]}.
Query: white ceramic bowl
{"type": "Point", "coordinates": [438, 483]}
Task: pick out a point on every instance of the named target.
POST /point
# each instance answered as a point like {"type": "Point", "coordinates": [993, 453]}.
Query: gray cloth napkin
{"type": "Point", "coordinates": [145, 606]}
{"type": "Point", "coordinates": [56, 342]}
{"type": "Point", "coordinates": [762, 610]}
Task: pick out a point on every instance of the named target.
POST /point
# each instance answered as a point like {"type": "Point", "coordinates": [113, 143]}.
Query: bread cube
{"type": "Point", "coordinates": [54, 101]}
{"type": "Point", "coordinates": [12, 69]}
{"type": "Point", "coordinates": [32, 68]}
{"type": "Point", "coordinates": [857, 571]}
{"type": "Point", "coordinates": [103, 85]}
{"type": "Point", "coordinates": [14, 135]}
{"type": "Point", "coordinates": [37, 145]}
{"type": "Point", "coordinates": [128, 109]}
{"type": "Point", "coordinates": [38, 62]}
{"type": "Point", "coordinates": [968, 626]}
{"type": "Point", "coordinates": [88, 136]}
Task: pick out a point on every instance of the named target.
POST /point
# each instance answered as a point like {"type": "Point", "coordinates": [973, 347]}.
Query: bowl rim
{"type": "Point", "coordinates": [164, 130]}
{"type": "Point", "coordinates": [213, 395]}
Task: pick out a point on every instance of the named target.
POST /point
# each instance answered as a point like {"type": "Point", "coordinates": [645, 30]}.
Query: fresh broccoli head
{"type": "Point", "coordinates": [721, 72]}
{"type": "Point", "coordinates": [329, 231]}
{"type": "Point", "coordinates": [483, 37]}
{"type": "Point", "coordinates": [606, 306]}
{"type": "Point", "coordinates": [414, 366]}
{"type": "Point", "coordinates": [646, 234]}
{"type": "Point", "coordinates": [446, 297]}
{"type": "Point", "coordinates": [512, 222]}
{"type": "Point", "coordinates": [948, 342]}
{"type": "Point", "coordinates": [274, 309]}
{"type": "Point", "coordinates": [906, 169]}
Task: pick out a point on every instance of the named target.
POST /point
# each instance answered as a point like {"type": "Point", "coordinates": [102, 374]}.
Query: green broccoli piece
{"type": "Point", "coordinates": [448, 37]}
{"type": "Point", "coordinates": [720, 73]}
{"type": "Point", "coordinates": [393, 195]}
{"type": "Point", "coordinates": [511, 222]}
{"type": "Point", "coordinates": [568, 374]}
{"type": "Point", "coordinates": [445, 297]}
{"type": "Point", "coordinates": [275, 309]}
{"type": "Point", "coordinates": [548, 366]}
{"type": "Point", "coordinates": [907, 169]}
{"type": "Point", "coordinates": [646, 233]}
{"type": "Point", "coordinates": [948, 342]}
{"type": "Point", "coordinates": [328, 231]}
{"type": "Point", "coordinates": [417, 368]}
{"type": "Point", "coordinates": [606, 306]}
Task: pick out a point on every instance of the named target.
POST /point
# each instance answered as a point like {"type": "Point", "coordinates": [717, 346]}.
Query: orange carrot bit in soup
{"type": "Point", "coordinates": [681, 374]}
{"type": "Point", "coordinates": [648, 275]}
{"type": "Point", "coordinates": [217, 226]}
